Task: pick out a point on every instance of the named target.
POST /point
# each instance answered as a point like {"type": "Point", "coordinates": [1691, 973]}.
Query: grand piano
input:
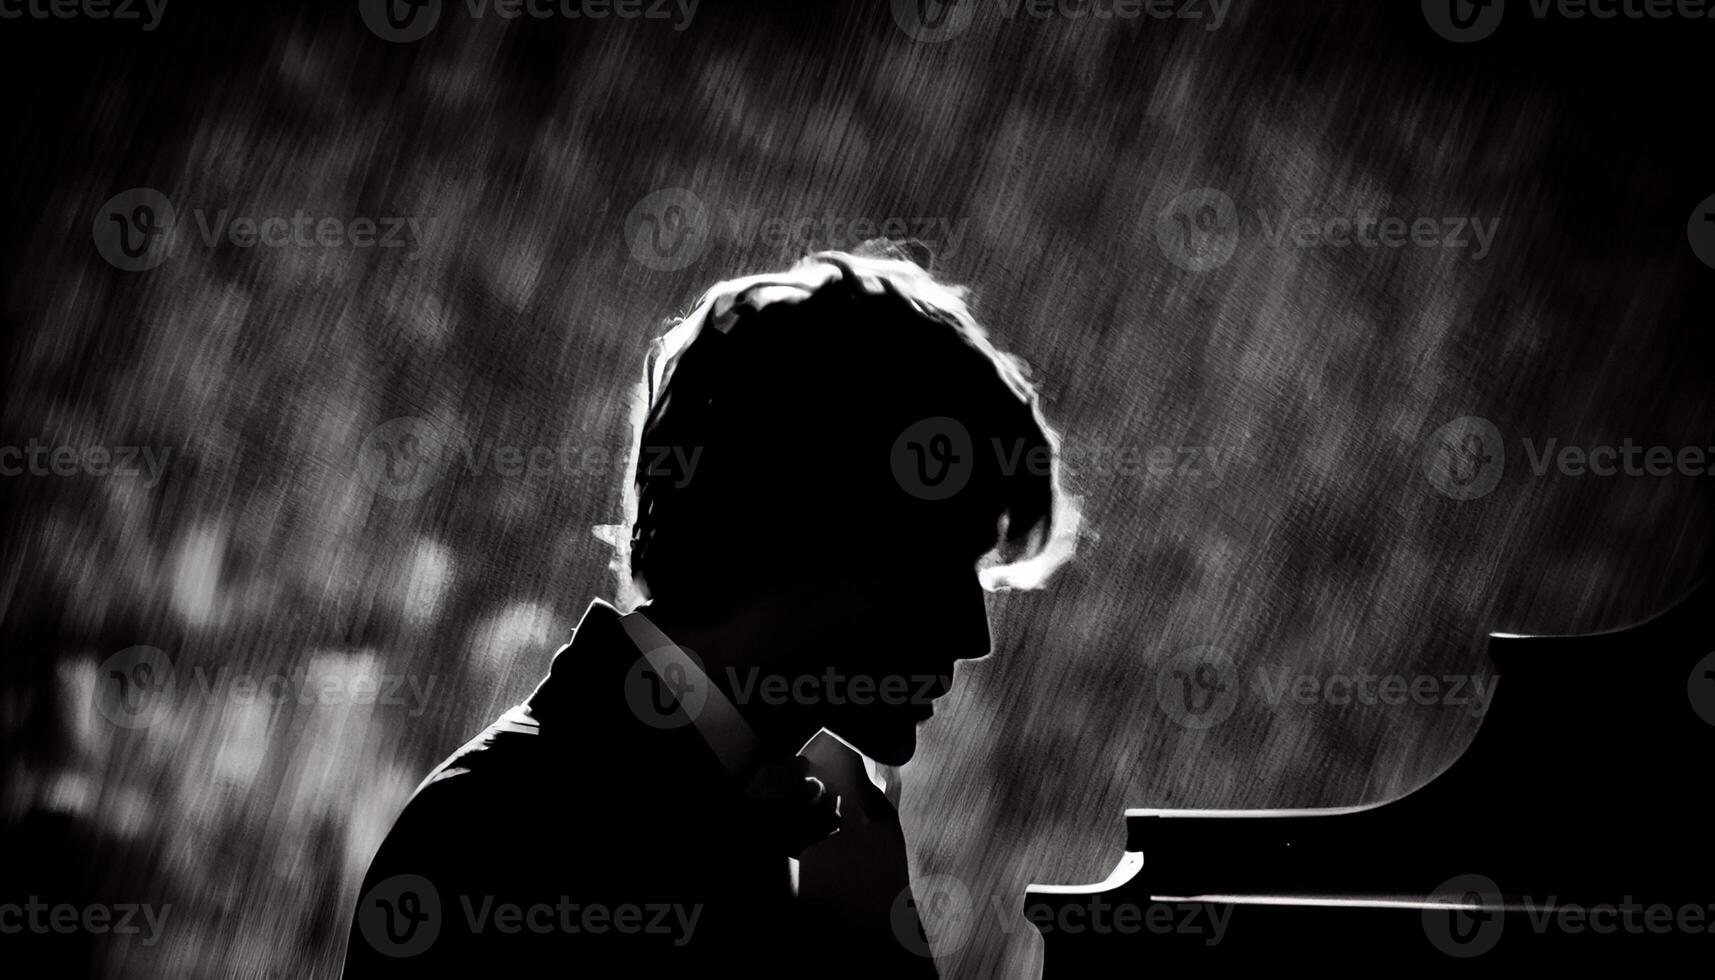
{"type": "Point", "coordinates": [1574, 830]}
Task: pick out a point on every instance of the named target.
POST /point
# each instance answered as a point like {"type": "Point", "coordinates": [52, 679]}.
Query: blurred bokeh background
{"type": "Point", "coordinates": [574, 181]}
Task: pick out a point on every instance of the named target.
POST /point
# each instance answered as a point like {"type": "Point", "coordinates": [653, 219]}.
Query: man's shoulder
{"type": "Point", "coordinates": [572, 766]}
{"type": "Point", "coordinates": [511, 740]}
{"type": "Point", "coordinates": [504, 806]}
{"type": "Point", "coordinates": [585, 674]}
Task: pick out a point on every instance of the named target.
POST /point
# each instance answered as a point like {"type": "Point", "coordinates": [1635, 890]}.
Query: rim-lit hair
{"type": "Point", "coordinates": [914, 341]}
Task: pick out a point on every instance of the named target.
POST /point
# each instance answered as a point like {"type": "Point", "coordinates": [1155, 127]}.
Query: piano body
{"type": "Point", "coordinates": [1575, 829]}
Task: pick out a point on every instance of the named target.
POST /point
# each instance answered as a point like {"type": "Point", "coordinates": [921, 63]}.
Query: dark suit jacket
{"type": "Point", "coordinates": [574, 837]}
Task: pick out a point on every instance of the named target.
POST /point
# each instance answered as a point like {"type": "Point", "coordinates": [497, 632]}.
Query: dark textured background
{"type": "Point", "coordinates": [1053, 146]}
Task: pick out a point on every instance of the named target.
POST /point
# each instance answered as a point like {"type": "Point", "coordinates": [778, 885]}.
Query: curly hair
{"type": "Point", "coordinates": [768, 432]}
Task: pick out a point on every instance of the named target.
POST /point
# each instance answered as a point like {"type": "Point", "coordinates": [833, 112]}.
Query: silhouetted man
{"type": "Point", "coordinates": [823, 459]}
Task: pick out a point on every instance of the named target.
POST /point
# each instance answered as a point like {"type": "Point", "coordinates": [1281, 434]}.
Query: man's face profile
{"type": "Point", "coordinates": [888, 640]}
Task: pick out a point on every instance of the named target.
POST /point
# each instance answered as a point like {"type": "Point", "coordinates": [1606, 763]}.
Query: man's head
{"type": "Point", "coordinates": [833, 450]}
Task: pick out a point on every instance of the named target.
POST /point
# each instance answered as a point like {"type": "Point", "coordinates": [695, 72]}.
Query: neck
{"type": "Point", "coordinates": [741, 654]}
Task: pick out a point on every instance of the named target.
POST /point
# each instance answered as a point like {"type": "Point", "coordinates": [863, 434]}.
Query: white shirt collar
{"type": "Point", "coordinates": [714, 716]}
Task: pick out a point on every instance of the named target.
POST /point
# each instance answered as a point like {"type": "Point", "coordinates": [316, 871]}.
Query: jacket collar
{"type": "Point", "coordinates": [624, 669]}
{"type": "Point", "coordinates": [707, 707]}
{"type": "Point", "coordinates": [596, 657]}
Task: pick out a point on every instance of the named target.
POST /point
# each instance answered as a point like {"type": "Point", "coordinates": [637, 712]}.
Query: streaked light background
{"type": "Point", "coordinates": [1045, 151]}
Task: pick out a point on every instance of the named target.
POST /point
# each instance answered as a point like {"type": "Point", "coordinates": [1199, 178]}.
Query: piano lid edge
{"type": "Point", "coordinates": [1315, 811]}
{"type": "Point", "coordinates": [1130, 863]}
{"type": "Point", "coordinates": [1693, 598]}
